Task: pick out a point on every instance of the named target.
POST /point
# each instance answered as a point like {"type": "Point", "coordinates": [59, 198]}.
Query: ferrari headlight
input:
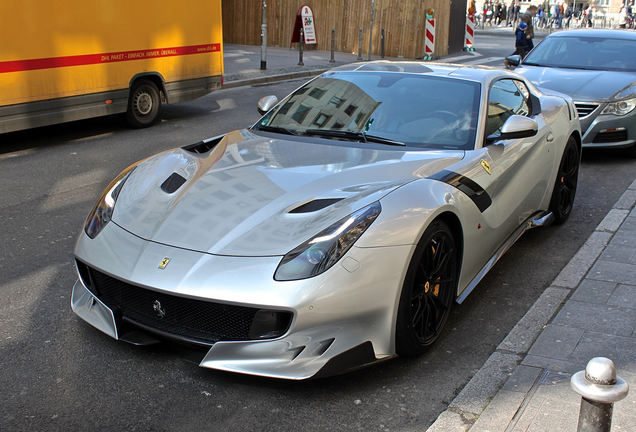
{"type": "Point", "coordinates": [620, 108]}
{"type": "Point", "coordinates": [319, 253]}
{"type": "Point", "coordinates": [103, 210]}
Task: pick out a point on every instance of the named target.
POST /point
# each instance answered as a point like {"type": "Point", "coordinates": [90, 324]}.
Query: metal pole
{"type": "Point", "coordinates": [360, 46]}
{"type": "Point", "coordinates": [382, 42]}
{"type": "Point", "coordinates": [333, 44]}
{"type": "Point", "coordinates": [599, 388]}
{"type": "Point", "coordinates": [300, 52]}
{"type": "Point", "coordinates": [371, 31]}
{"type": "Point", "coordinates": [264, 37]}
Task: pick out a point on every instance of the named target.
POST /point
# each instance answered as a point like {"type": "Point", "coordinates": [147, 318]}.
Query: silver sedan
{"type": "Point", "coordinates": [597, 68]}
{"type": "Point", "coordinates": [337, 231]}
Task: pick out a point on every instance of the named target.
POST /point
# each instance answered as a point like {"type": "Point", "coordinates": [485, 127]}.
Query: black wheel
{"type": "Point", "coordinates": [565, 184]}
{"type": "Point", "coordinates": [143, 104]}
{"type": "Point", "coordinates": [428, 292]}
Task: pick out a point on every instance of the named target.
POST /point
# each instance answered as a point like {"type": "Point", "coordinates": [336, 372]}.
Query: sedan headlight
{"type": "Point", "coordinates": [319, 253]}
{"type": "Point", "coordinates": [620, 108]}
{"type": "Point", "coordinates": [103, 210]}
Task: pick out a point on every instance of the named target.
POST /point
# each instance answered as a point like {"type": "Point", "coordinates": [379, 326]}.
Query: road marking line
{"type": "Point", "coordinates": [484, 61]}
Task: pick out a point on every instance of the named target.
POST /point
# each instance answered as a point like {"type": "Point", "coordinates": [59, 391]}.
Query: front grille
{"type": "Point", "coordinates": [189, 319]}
{"type": "Point", "coordinates": [610, 137]}
{"type": "Point", "coordinates": [585, 109]}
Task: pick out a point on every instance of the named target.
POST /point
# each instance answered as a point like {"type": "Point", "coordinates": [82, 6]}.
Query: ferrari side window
{"type": "Point", "coordinates": [506, 98]}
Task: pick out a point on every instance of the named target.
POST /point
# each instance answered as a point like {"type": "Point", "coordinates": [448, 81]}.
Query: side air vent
{"type": "Point", "coordinates": [203, 146]}
{"type": "Point", "coordinates": [173, 183]}
{"type": "Point", "coordinates": [315, 205]}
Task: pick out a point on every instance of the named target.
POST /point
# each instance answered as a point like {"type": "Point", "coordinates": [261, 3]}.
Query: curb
{"type": "Point", "coordinates": [267, 79]}
{"type": "Point", "coordinates": [469, 406]}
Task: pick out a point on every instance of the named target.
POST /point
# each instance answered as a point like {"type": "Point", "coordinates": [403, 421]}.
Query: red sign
{"type": "Point", "coordinates": [304, 20]}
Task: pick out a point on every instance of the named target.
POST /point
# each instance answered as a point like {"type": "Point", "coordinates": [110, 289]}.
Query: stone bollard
{"type": "Point", "coordinates": [599, 388]}
{"type": "Point", "coordinates": [333, 44]}
{"type": "Point", "coordinates": [382, 42]}
{"type": "Point", "coordinates": [300, 51]}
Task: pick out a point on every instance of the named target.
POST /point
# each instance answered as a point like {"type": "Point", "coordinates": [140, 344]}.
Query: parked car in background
{"type": "Point", "coordinates": [339, 229]}
{"type": "Point", "coordinates": [597, 68]}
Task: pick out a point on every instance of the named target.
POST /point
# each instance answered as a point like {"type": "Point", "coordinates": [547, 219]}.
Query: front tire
{"type": "Point", "coordinates": [428, 292]}
{"type": "Point", "coordinates": [144, 104]}
{"type": "Point", "coordinates": [565, 185]}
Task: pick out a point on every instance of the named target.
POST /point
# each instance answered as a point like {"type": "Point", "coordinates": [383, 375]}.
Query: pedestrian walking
{"type": "Point", "coordinates": [589, 13]}
{"type": "Point", "coordinates": [622, 17]}
{"type": "Point", "coordinates": [556, 15]}
{"type": "Point", "coordinates": [497, 13]}
{"type": "Point", "coordinates": [527, 18]}
{"type": "Point", "coordinates": [510, 17]}
{"type": "Point", "coordinates": [569, 11]}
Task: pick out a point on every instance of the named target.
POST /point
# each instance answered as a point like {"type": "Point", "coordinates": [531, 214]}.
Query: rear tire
{"type": "Point", "coordinates": [429, 290]}
{"type": "Point", "coordinates": [565, 185]}
{"type": "Point", "coordinates": [144, 104]}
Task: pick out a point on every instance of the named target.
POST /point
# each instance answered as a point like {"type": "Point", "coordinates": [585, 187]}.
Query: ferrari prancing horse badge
{"type": "Point", "coordinates": [486, 166]}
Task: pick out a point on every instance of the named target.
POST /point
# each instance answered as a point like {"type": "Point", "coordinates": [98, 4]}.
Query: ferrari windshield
{"type": "Point", "coordinates": [593, 53]}
{"type": "Point", "coordinates": [381, 107]}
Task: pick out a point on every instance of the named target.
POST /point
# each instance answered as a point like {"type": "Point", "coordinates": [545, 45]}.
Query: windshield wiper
{"type": "Point", "coordinates": [575, 67]}
{"type": "Point", "coordinates": [277, 129]}
{"type": "Point", "coordinates": [531, 64]}
{"type": "Point", "coordinates": [360, 136]}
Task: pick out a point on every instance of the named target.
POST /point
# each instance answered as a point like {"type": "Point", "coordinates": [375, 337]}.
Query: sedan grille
{"type": "Point", "coordinates": [585, 109]}
{"type": "Point", "coordinates": [188, 319]}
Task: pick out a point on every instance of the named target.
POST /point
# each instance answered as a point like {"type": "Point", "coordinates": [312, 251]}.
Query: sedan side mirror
{"type": "Point", "coordinates": [516, 127]}
{"type": "Point", "coordinates": [514, 60]}
{"type": "Point", "coordinates": [266, 103]}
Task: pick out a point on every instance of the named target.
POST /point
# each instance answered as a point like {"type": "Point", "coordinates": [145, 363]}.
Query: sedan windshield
{"type": "Point", "coordinates": [588, 53]}
{"type": "Point", "coordinates": [381, 107]}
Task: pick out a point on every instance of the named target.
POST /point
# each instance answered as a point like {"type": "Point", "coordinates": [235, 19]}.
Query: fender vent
{"type": "Point", "coordinates": [173, 183]}
{"type": "Point", "coordinates": [315, 205]}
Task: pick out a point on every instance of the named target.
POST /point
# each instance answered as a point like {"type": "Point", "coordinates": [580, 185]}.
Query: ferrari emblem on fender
{"type": "Point", "coordinates": [161, 312]}
{"type": "Point", "coordinates": [164, 263]}
{"type": "Point", "coordinates": [486, 166]}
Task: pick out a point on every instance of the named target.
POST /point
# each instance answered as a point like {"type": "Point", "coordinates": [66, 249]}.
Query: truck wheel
{"type": "Point", "coordinates": [143, 104]}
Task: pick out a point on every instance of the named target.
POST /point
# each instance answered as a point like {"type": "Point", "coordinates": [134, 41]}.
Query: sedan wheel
{"type": "Point", "coordinates": [566, 182]}
{"type": "Point", "coordinates": [428, 292]}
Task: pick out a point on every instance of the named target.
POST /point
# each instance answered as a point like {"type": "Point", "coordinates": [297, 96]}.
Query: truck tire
{"type": "Point", "coordinates": [144, 104]}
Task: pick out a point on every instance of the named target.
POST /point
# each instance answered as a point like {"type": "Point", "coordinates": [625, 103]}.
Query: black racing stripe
{"type": "Point", "coordinates": [475, 192]}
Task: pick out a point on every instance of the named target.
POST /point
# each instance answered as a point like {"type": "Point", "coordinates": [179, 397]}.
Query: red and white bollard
{"type": "Point", "coordinates": [429, 39]}
{"type": "Point", "coordinates": [470, 33]}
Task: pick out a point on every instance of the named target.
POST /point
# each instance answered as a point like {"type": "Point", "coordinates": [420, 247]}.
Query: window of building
{"type": "Point", "coordinates": [317, 93]}
{"type": "Point", "coordinates": [350, 109]}
{"type": "Point", "coordinates": [336, 101]}
{"type": "Point", "coordinates": [321, 119]}
{"type": "Point", "coordinates": [301, 113]}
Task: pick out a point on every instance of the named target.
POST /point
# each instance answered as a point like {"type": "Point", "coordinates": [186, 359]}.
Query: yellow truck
{"type": "Point", "coordinates": [66, 60]}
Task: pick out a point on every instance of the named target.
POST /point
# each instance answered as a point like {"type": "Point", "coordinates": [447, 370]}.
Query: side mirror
{"type": "Point", "coordinates": [514, 60]}
{"type": "Point", "coordinates": [266, 103]}
{"type": "Point", "coordinates": [516, 127]}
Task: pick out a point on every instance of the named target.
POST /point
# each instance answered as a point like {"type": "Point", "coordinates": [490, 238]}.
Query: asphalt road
{"type": "Point", "coordinates": [58, 373]}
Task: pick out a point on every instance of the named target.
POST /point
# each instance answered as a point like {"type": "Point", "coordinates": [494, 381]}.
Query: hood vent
{"type": "Point", "coordinates": [173, 183]}
{"type": "Point", "coordinates": [315, 205]}
{"type": "Point", "coordinates": [203, 146]}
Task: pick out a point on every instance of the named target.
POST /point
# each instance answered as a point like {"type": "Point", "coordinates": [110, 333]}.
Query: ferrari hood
{"type": "Point", "coordinates": [256, 196]}
{"type": "Point", "coordinates": [581, 85]}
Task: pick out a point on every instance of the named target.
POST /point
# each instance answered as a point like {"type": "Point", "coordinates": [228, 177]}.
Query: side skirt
{"type": "Point", "coordinates": [535, 221]}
